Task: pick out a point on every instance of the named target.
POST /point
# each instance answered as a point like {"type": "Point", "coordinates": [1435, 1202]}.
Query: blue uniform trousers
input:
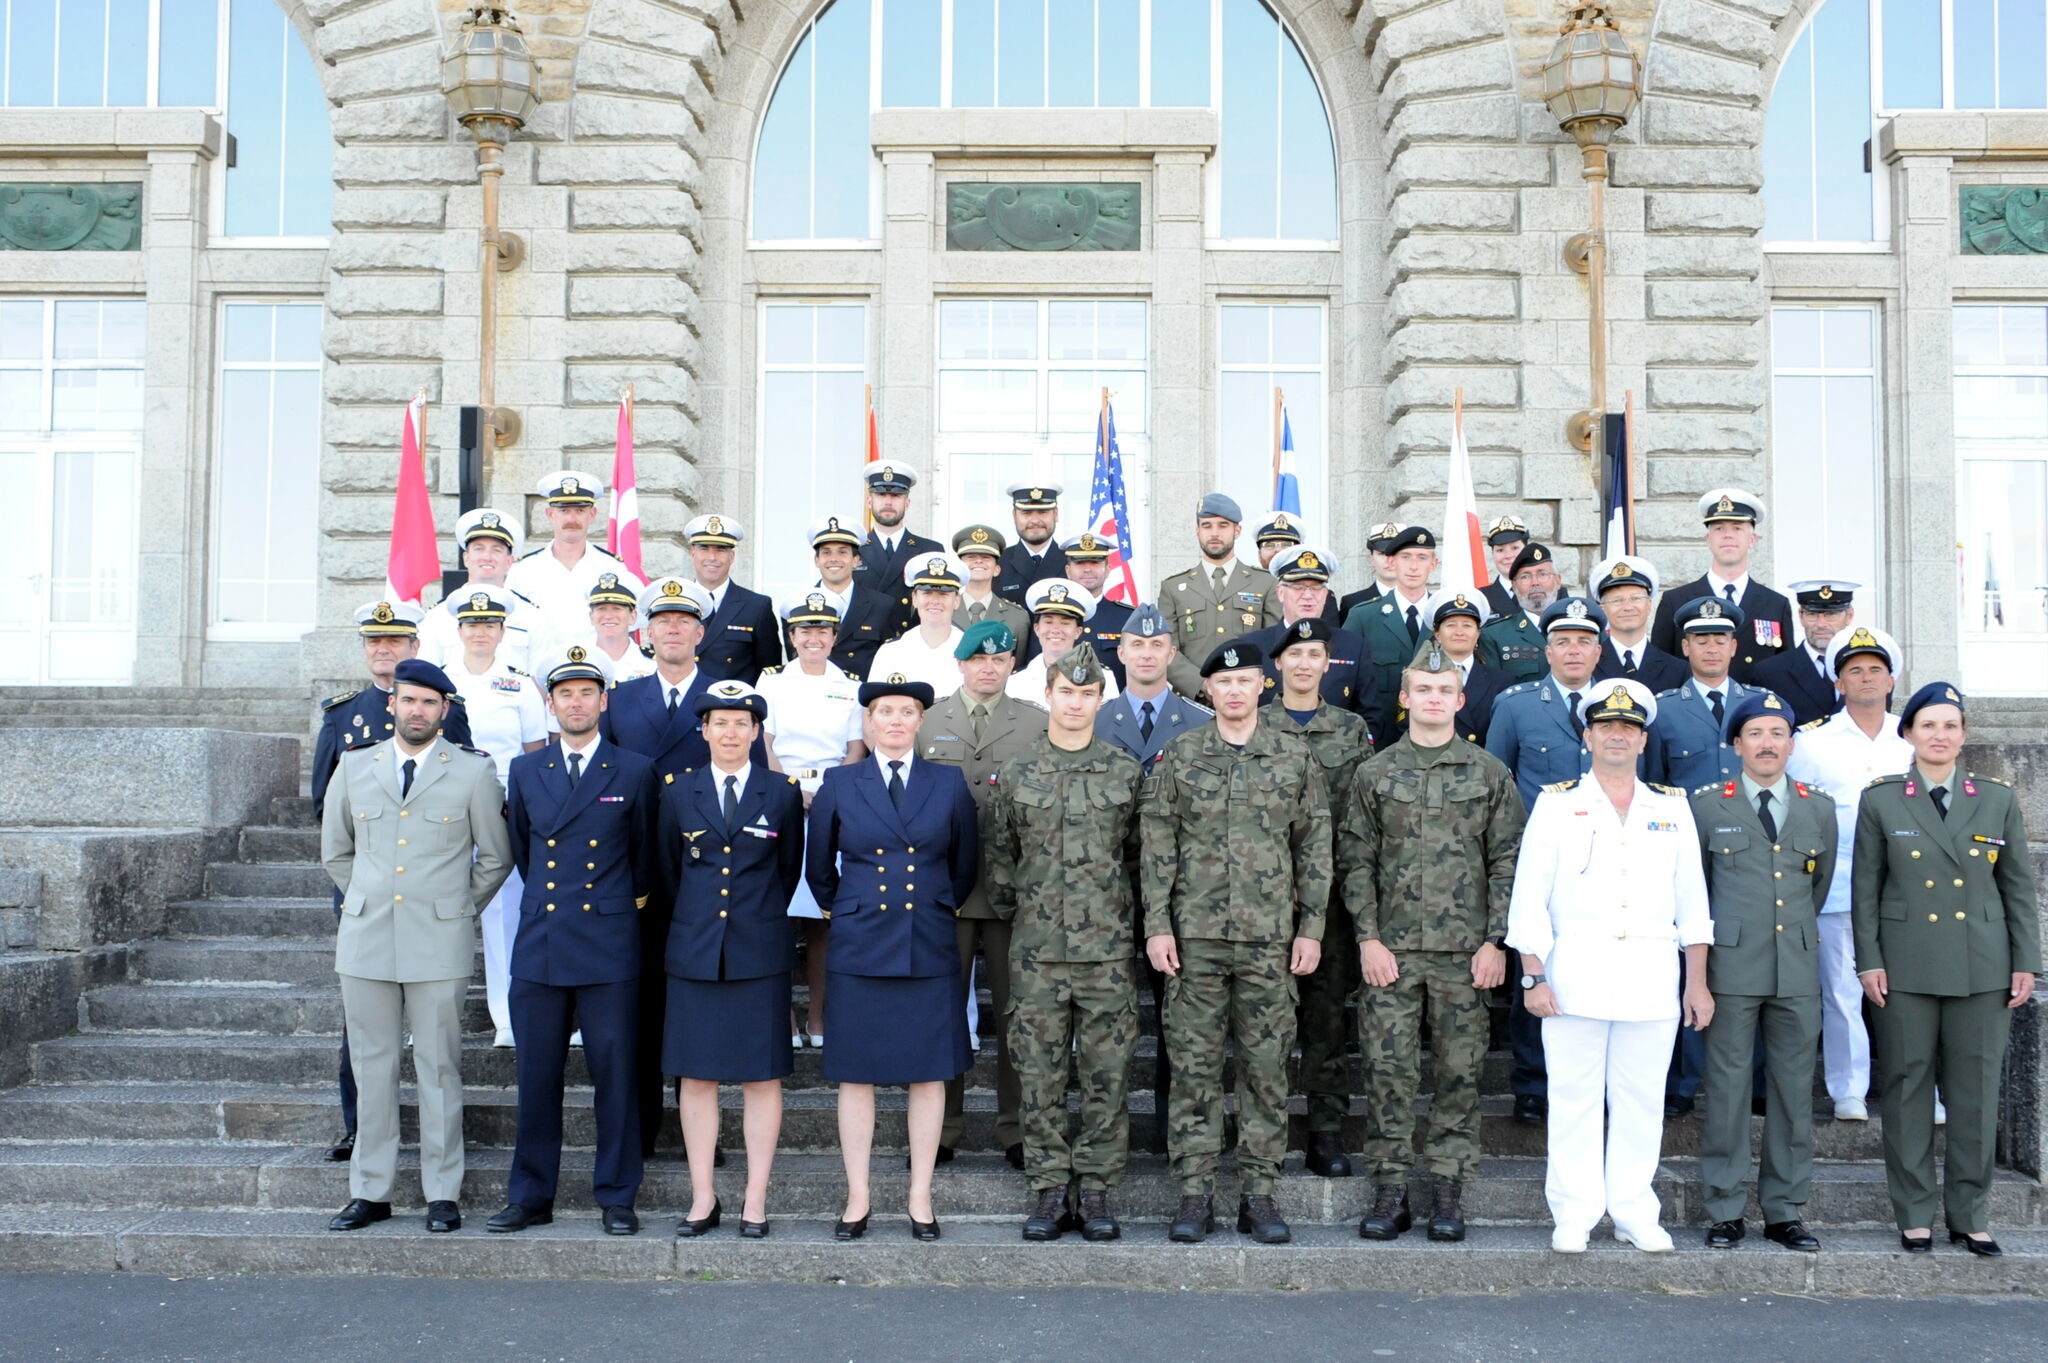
{"type": "Point", "coordinates": [543, 1016]}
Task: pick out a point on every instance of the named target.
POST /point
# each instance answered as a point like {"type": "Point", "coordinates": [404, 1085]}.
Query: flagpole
{"type": "Point", "coordinates": [1628, 406]}
{"type": "Point", "coordinates": [867, 446]}
{"type": "Point", "coordinates": [1279, 410]}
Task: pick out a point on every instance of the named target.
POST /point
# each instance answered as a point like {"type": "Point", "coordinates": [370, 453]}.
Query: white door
{"type": "Point", "coordinates": [2002, 507]}
{"type": "Point", "coordinates": [68, 570]}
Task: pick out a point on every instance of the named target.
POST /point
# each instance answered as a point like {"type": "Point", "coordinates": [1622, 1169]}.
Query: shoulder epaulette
{"type": "Point", "coordinates": [771, 671]}
{"type": "Point", "coordinates": [517, 672]}
{"type": "Point", "coordinates": [792, 780]}
{"type": "Point", "coordinates": [1994, 780]}
{"type": "Point", "coordinates": [1815, 723]}
{"type": "Point", "coordinates": [1727, 788]}
{"type": "Point", "coordinates": [455, 698]}
{"type": "Point", "coordinates": [602, 550]}
{"type": "Point", "coordinates": [1031, 705]}
{"type": "Point", "coordinates": [1671, 691]}
{"type": "Point", "coordinates": [647, 650]}
{"type": "Point", "coordinates": [1895, 776]}
{"type": "Point", "coordinates": [1804, 793]}
{"type": "Point", "coordinates": [342, 699]}
{"type": "Point", "coordinates": [668, 778]}
{"type": "Point", "coordinates": [1518, 688]}
{"type": "Point", "coordinates": [1666, 790]}
{"type": "Point", "coordinates": [474, 752]}
{"type": "Point", "coordinates": [523, 597]}
{"type": "Point", "coordinates": [1559, 787]}
{"type": "Point", "coordinates": [1197, 705]}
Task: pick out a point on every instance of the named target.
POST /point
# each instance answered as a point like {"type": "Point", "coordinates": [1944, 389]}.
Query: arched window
{"type": "Point", "coordinates": [1862, 60]}
{"type": "Point", "coordinates": [168, 53]}
{"type": "Point", "coordinates": [814, 169]}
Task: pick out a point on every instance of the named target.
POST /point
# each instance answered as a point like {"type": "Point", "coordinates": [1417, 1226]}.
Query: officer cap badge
{"type": "Point", "coordinates": [479, 602]}
{"type": "Point", "coordinates": [729, 688]}
{"type": "Point", "coordinates": [831, 522]}
{"type": "Point", "coordinates": [608, 581]}
{"type": "Point", "coordinates": [1460, 602]}
{"type": "Point", "coordinates": [1304, 630]}
{"type": "Point", "coordinates": [888, 475]}
{"type": "Point", "coordinates": [815, 601]}
{"type": "Point", "coordinates": [1771, 702]}
{"type": "Point", "coordinates": [1950, 692]}
{"type": "Point", "coordinates": [991, 646]}
{"type": "Point", "coordinates": [1575, 608]}
{"type": "Point", "coordinates": [1434, 662]}
{"type": "Point", "coordinates": [1280, 522]}
{"type": "Point", "coordinates": [1087, 541]}
{"type": "Point", "coordinates": [1230, 657]}
{"type": "Point", "coordinates": [897, 678]}
{"type": "Point", "coordinates": [979, 535]}
{"type": "Point", "coordinates": [1307, 560]}
{"type": "Point", "coordinates": [1710, 610]}
{"type": "Point", "coordinates": [1038, 494]}
{"type": "Point", "coordinates": [671, 588]}
{"type": "Point", "coordinates": [715, 526]}
{"type": "Point", "coordinates": [383, 613]}
{"type": "Point", "coordinates": [935, 566]}
{"type": "Point", "coordinates": [571, 485]}
{"type": "Point", "coordinates": [1056, 592]}
{"type": "Point", "coordinates": [489, 520]}
{"type": "Point", "coordinates": [577, 655]}
{"type": "Point", "coordinates": [1863, 638]}
{"type": "Point", "coordinates": [1723, 506]}
{"type": "Point", "coordinates": [1827, 593]}
{"type": "Point", "coordinates": [1622, 570]}
{"type": "Point", "coordinates": [1620, 699]}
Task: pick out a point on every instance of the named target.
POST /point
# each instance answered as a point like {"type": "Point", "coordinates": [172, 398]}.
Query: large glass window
{"type": "Point", "coordinates": [70, 365]}
{"type": "Point", "coordinates": [1269, 348]}
{"type": "Point", "coordinates": [1825, 449]}
{"type": "Point", "coordinates": [2001, 426]}
{"type": "Point", "coordinates": [282, 180]}
{"type": "Point", "coordinates": [814, 168]}
{"type": "Point", "coordinates": [267, 477]}
{"type": "Point", "coordinates": [813, 425]}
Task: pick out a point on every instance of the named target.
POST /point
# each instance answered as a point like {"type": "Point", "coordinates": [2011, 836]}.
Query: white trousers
{"type": "Point", "coordinates": [500, 926]}
{"type": "Point", "coordinates": [1844, 1042]}
{"type": "Point", "coordinates": [1608, 1166]}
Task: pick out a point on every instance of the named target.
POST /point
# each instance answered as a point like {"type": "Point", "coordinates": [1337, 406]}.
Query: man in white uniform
{"type": "Point", "coordinates": [558, 576]}
{"type": "Point", "coordinates": [1608, 891]}
{"type": "Point", "coordinates": [1059, 609]}
{"type": "Point", "coordinates": [488, 542]}
{"type": "Point", "coordinates": [1842, 754]}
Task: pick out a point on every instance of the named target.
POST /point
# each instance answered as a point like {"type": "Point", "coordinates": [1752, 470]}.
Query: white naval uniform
{"type": "Point", "coordinates": [1028, 683]}
{"type": "Point", "coordinates": [1837, 757]}
{"type": "Point", "coordinates": [505, 714]}
{"type": "Point", "coordinates": [563, 594]}
{"type": "Point", "coordinates": [526, 632]}
{"type": "Point", "coordinates": [936, 667]}
{"type": "Point", "coordinates": [1607, 904]}
{"type": "Point", "coordinates": [810, 722]}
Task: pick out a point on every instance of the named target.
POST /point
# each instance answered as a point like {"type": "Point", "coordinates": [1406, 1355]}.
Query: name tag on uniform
{"type": "Point", "coordinates": [1251, 597]}
{"type": "Point", "coordinates": [1903, 833]}
{"type": "Point", "coordinates": [760, 830]}
{"type": "Point", "coordinates": [1731, 830]}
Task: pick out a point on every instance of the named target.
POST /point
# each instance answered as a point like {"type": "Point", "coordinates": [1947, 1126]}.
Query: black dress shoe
{"type": "Point", "coordinates": [514, 1217]}
{"type": "Point", "coordinates": [1725, 1234]}
{"type": "Point", "coordinates": [1758, 1107]}
{"type": "Point", "coordinates": [1792, 1235]}
{"type": "Point", "coordinates": [443, 1216]}
{"type": "Point", "coordinates": [687, 1229]}
{"type": "Point", "coordinates": [753, 1230]}
{"type": "Point", "coordinates": [1015, 1155]}
{"type": "Point", "coordinates": [359, 1213]}
{"type": "Point", "coordinates": [1677, 1105]}
{"type": "Point", "coordinates": [1195, 1221]}
{"type": "Point", "coordinates": [1097, 1223]}
{"type": "Point", "coordinates": [621, 1221]}
{"type": "Point", "coordinates": [924, 1230]}
{"type": "Point", "coordinates": [1326, 1155]}
{"type": "Point", "coordinates": [343, 1150]}
{"type": "Point", "coordinates": [1389, 1215]}
{"type": "Point", "coordinates": [850, 1230]}
{"type": "Point", "coordinates": [1048, 1218]}
{"type": "Point", "coordinates": [1260, 1219]}
{"type": "Point", "coordinates": [1531, 1109]}
{"type": "Point", "coordinates": [1917, 1244]}
{"type": "Point", "coordinates": [1983, 1249]}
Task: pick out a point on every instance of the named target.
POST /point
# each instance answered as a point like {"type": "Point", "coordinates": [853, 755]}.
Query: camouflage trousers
{"type": "Point", "coordinates": [1088, 1009]}
{"type": "Point", "coordinates": [1319, 1023]}
{"type": "Point", "coordinates": [1390, 1035]}
{"type": "Point", "coordinates": [1229, 992]}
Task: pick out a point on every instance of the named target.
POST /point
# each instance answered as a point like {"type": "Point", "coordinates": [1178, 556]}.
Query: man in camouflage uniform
{"type": "Point", "coordinates": [1056, 826]}
{"type": "Point", "coordinates": [1426, 845]}
{"type": "Point", "coordinates": [1340, 743]}
{"type": "Point", "coordinates": [1234, 828]}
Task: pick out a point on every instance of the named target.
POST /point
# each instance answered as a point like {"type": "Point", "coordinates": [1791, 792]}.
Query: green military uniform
{"type": "Point", "coordinates": [1203, 615]}
{"type": "Point", "coordinates": [952, 735]}
{"type": "Point", "coordinates": [1514, 644]}
{"type": "Point", "coordinates": [1338, 740]}
{"type": "Point", "coordinates": [1056, 825]}
{"type": "Point", "coordinates": [966, 616]}
{"type": "Point", "coordinates": [1383, 624]}
{"type": "Point", "coordinates": [1235, 864]}
{"type": "Point", "coordinates": [1763, 970]}
{"type": "Point", "coordinates": [1945, 907]}
{"type": "Point", "coordinates": [1426, 847]}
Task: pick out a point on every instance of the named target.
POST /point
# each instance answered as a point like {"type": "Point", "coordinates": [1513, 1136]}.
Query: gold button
{"type": "Point", "coordinates": [1961, 914]}
{"type": "Point", "coordinates": [398, 899]}
{"type": "Point", "coordinates": [551, 908]}
{"type": "Point", "coordinates": [1777, 875]}
{"type": "Point", "coordinates": [725, 891]}
{"type": "Point", "coordinates": [551, 866]}
{"type": "Point", "coordinates": [405, 814]}
{"type": "Point", "coordinates": [878, 851]}
{"type": "Point", "coordinates": [1781, 927]}
{"type": "Point", "coordinates": [1934, 918]}
{"type": "Point", "coordinates": [1776, 848]}
{"type": "Point", "coordinates": [910, 889]}
{"type": "Point", "coordinates": [551, 884]}
{"type": "Point", "coordinates": [590, 866]}
{"type": "Point", "coordinates": [1916, 855]}
{"type": "Point", "coordinates": [401, 843]}
{"type": "Point", "coordinates": [399, 870]}
{"type": "Point", "coordinates": [725, 870]}
{"type": "Point", "coordinates": [726, 850]}
{"type": "Point", "coordinates": [551, 843]}
{"type": "Point", "coordinates": [588, 886]}
{"type": "Point", "coordinates": [1959, 882]}
{"type": "Point", "coordinates": [721, 913]}
{"type": "Point", "coordinates": [593, 842]}
{"type": "Point", "coordinates": [883, 888]}
{"type": "Point", "coordinates": [586, 907]}
{"type": "Point", "coordinates": [910, 849]}
{"type": "Point", "coordinates": [885, 908]}
{"type": "Point", "coordinates": [1973, 851]}
{"type": "Point", "coordinates": [1781, 903]}
{"type": "Point", "coordinates": [1930, 884]}
{"type": "Point", "coordinates": [910, 870]}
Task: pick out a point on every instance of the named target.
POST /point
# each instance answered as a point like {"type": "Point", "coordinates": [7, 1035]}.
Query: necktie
{"type": "Point", "coordinates": [1220, 577]}
{"type": "Point", "coordinates": [1577, 726]}
{"type": "Point", "coordinates": [1414, 626]}
{"type": "Point", "coordinates": [575, 769]}
{"type": "Point", "coordinates": [1714, 699]}
{"type": "Point", "coordinates": [1145, 721]}
{"type": "Point", "coordinates": [977, 720]}
{"type": "Point", "coordinates": [896, 784]}
{"type": "Point", "coordinates": [1940, 797]}
{"type": "Point", "coordinates": [405, 781]}
{"type": "Point", "coordinates": [1820, 665]}
{"type": "Point", "coordinates": [731, 807]}
{"type": "Point", "coordinates": [1763, 811]}
{"type": "Point", "coordinates": [675, 698]}
{"type": "Point", "coordinates": [975, 611]}
{"type": "Point", "coordinates": [1728, 590]}
{"type": "Point", "coordinates": [1628, 660]}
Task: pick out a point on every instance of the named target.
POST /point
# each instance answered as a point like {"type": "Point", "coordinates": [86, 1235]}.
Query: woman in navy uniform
{"type": "Point", "coordinates": [891, 855]}
{"type": "Point", "coordinates": [730, 852]}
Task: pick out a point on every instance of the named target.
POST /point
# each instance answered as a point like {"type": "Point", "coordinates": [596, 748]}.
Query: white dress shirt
{"type": "Point", "coordinates": [1838, 757]}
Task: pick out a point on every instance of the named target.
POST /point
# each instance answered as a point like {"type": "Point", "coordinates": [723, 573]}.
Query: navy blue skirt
{"type": "Point", "coordinates": [883, 1029]}
{"type": "Point", "coordinates": [730, 1031]}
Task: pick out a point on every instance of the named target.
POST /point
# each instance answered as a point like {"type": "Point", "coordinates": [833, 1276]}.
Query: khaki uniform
{"type": "Point", "coordinates": [1204, 616]}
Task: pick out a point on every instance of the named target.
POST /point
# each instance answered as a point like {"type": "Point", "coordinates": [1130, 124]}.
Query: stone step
{"type": "Point", "coordinates": [267, 880]}
{"type": "Point", "coordinates": [292, 811]}
{"type": "Point", "coordinates": [236, 960]}
{"type": "Point", "coordinates": [214, 1009]}
{"type": "Point", "coordinates": [276, 843]}
{"type": "Point", "coordinates": [305, 918]}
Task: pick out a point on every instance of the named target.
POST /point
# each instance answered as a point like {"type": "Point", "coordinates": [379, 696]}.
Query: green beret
{"type": "Point", "coordinates": [990, 636]}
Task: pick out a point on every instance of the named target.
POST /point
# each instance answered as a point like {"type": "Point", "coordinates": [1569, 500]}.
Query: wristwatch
{"type": "Point", "coordinates": [1531, 981]}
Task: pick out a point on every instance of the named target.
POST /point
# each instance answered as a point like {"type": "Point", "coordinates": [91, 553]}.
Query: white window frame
{"type": "Point", "coordinates": [1977, 449]}
{"type": "Point", "coordinates": [217, 189]}
{"type": "Point", "coordinates": [1322, 519]}
{"type": "Point", "coordinates": [50, 366]}
{"type": "Point", "coordinates": [763, 491]}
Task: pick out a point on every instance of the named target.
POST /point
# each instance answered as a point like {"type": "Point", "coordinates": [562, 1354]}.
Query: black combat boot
{"type": "Point", "coordinates": [1326, 1155]}
{"type": "Point", "coordinates": [1048, 1214]}
{"type": "Point", "coordinates": [1260, 1219]}
{"type": "Point", "coordinates": [1389, 1214]}
{"type": "Point", "coordinates": [1096, 1221]}
{"type": "Point", "coordinates": [1195, 1220]}
{"type": "Point", "coordinates": [1446, 1221]}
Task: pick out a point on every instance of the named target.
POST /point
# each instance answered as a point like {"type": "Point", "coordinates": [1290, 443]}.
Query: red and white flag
{"type": "Point", "coordinates": [622, 536]}
{"type": "Point", "coordinates": [1464, 547]}
{"type": "Point", "coordinates": [415, 559]}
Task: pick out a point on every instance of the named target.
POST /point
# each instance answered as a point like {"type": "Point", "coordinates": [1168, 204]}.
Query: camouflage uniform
{"type": "Point", "coordinates": [1426, 846]}
{"type": "Point", "coordinates": [1235, 864]}
{"type": "Point", "coordinates": [1340, 743]}
{"type": "Point", "coordinates": [1054, 850]}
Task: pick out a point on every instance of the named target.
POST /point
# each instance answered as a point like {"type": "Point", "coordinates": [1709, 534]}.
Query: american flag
{"type": "Point", "coordinates": [1110, 514]}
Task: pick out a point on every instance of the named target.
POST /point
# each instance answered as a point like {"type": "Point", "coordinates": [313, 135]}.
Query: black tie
{"type": "Point", "coordinates": [675, 696]}
{"type": "Point", "coordinates": [1763, 811]}
{"type": "Point", "coordinates": [896, 784]}
{"type": "Point", "coordinates": [1940, 797]}
{"type": "Point", "coordinates": [1414, 626]}
{"type": "Point", "coordinates": [1573, 700]}
{"type": "Point", "coordinates": [1728, 590]}
{"type": "Point", "coordinates": [405, 782]}
{"type": "Point", "coordinates": [575, 769]}
{"type": "Point", "coordinates": [731, 807]}
{"type": "Point", "coordinates": [1714, 699]}
{"type": "Point", "coordinates": [1628, 660]}
{"type": "Point", "coordinates": [1145, 721]}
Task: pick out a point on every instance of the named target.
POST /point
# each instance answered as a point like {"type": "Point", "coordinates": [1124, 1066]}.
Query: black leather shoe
{"type": "Point", "coordinates": [359, 1213]}
{"type": "Point", "coordinates": [1015, 1155]}
{"type": "Point", "coordinates": [1446, 1217]}
{"type": "Point", "coordinates": [1195, 1221]}
{"type": "Point", "coordinates": [850, 1230]}
{"type": "Point", "coordinates": [1326, 1155]}
{"type": "Point", "coordinates": [753, 1230]}
{"type": "Point", "coordinates": [443, 1216]}
{"type": "Point", "coordinates": [1260, 1219]}
{"type": "Point", "coordinates": [1389, 1215]}
{"type": "Point", "coordinates": [343, 1150]}
{"type": "Point", "coordinates": [621, 1221]}
{"type": "Point", "coordinates": [1983, 1249]}
{"type": "Point", "coordinates": [1531, 1109]}
{"type": "Point", "coordinates": [1792, 1235]}
{"type": "Point", "coordinates": [1758, 1107]}
{"type": "Point", "coordinates": [1917, 1244]}
{"type": "Point", "coordinates": [1676, 1105]}
{"type": "Point", "coordinates": [514, 1217]}
{"type": "Point", "coordinates": [1726, 1234]}
{"type": "Point", "coordinates": [924, 1230]}
{"type": "Point", "coordinates": [687, 1229]}
{"type": "Point", "coordinates": [1049, 1216]}
{"type": "Point", "coordinates": [1096, 1222]}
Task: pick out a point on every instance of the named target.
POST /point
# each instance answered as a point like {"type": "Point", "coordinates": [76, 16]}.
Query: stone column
{"type": "Point", "coordinates": [1920, 483]}
{"type": "Point", "coordinates": [904, 362]}
{"type": "Point", "coordinates": [1183, 361]}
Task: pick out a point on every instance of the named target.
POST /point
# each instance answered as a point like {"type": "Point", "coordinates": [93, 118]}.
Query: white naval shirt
{"type": "Point", "coordinates": [506, 711]}
{"type": "Point", "coordinates": [1607, 902]}
{"type": "Point", "coordinates": [1028, 683]}
{"type": "Point", "coordinates": [1837, 757]}
{"type": "Point", "coordinates": [526, 631]}
{"type": "Point", "coordinates": [563, 594]}
{"type": "Point", "coordinates": [936, 667]}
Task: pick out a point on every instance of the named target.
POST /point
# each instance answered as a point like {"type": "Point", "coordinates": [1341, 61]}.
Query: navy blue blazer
{"type": "Point", "coordinates": [728, 889]}
{"type": "Point", "coordinates": [891, 881]}
{"type": "Point", "coordinates": [741, 637]}
{"type": "Point", "coordinates": [866, 626]}
{"type": "Point", "coordinates": [882, 573]}
{"type": "Point", "coordinates": [636, 717]}
{"type": "Point", "coordinates": [1766, 625]}
{"type": "Point", "coordinates": [1654, 668]}
{"type": "Point", "coordinates": [355, 719]}
{"type": "Point", "coordinates": [1021, 569]}
{"type": "Point", "coordinates": [1793, 676]}
{"type": "Point", "coordinates": [585, 854]}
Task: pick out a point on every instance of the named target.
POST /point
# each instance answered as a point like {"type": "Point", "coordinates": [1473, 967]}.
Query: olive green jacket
{"type": "Point", "coordinates": [1765, 894]}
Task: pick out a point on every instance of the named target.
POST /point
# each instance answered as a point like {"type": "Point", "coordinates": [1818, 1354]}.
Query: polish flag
{"type": "Point", "coordinates": [622, 536]}
{"type": "Point", "coordinates": [415, 559]}
{"type": "Point", "coordinates": [1464, 547]}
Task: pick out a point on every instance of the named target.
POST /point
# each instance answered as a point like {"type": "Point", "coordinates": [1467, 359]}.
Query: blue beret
{"type": "Point", "coordinates": [420, 672]}
{"type": "Point", "coordinates": [1934, 693]}
{"type": "Point", "coordinates": [1216, 504]}
{"type": "Point", "coordinates": [896, 684]}
{"type": "Point", "coordinates": [1751, 706]}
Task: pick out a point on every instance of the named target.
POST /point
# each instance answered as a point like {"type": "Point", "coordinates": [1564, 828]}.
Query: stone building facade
{"type": "Point", "coordinates": [1454, 192]}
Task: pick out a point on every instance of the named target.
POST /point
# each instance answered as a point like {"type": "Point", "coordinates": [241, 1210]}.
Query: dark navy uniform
{"type": "Point", "coordinates": [1798, 681]}
{"type": "Point", "coordinates": [1345, 685]}
{"type": "Point", "coordinates": [882, 572]}
{"type": "Point", "coordinates": [864, 626]}
{"type": "Point", "coordinates": [741, 637]}
{"type": "Point", "coordinates": [1021, 568]}
{"type": "Point", "coordinates": [1765, 633]}
{"type": "Point", "coordinates": [1654, 667]}
{"type": "Point", "coordinates": [584, 852]}
{"type": "Point", "coordinates": [637, 717]}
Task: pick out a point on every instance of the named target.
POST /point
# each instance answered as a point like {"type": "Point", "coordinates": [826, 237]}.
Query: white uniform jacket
{"type": "Point", "coordinates": [1841, 759]}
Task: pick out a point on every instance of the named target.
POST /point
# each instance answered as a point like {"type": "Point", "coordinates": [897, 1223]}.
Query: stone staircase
{"type": "Point", "coordinates": [287, 711]}
{"type": "Point", "coordinates": [180, 1130]}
